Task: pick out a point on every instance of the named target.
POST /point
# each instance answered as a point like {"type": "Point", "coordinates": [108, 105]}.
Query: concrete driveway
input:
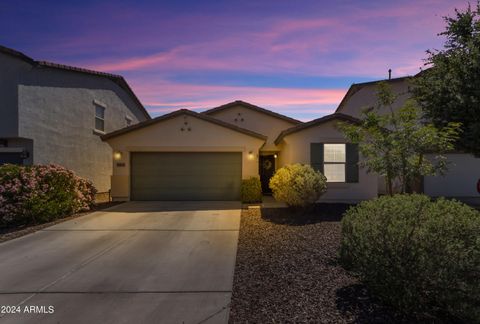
{"type": "Point", "coordinates": [139, 262]}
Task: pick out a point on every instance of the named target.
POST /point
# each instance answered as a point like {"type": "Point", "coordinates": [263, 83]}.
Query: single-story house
{"type": "Point", "coordinates": [54, 113]}
{"type": "Point", "coordinates": [187, 155]}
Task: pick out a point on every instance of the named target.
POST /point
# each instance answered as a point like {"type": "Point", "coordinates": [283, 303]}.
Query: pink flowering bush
{"type": "Point", "coordinates": [41, 193]}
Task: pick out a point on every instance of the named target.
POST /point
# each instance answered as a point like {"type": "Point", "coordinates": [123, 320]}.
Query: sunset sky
{"type": "Point", "coordinates": [295, 57]}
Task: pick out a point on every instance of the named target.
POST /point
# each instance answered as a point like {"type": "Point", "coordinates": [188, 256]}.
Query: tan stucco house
{"type": "Point", "coordinates": [186, 155]}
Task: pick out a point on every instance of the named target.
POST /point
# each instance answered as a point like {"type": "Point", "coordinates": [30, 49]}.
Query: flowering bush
{"type": "Point", "coordinates": [298, 185]}
{"type": "Point", "coordinates": [41, 193]}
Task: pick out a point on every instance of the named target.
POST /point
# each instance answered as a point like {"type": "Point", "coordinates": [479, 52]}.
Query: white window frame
{"type": "Point", "coordinates": [344, 162]}
{"type": "Point", "coordinates": [96, 105]}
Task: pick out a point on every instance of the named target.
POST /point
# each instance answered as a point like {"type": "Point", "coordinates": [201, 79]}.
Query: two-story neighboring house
{"type": "Point", "coordinates": [52, 113]}
{"type": "Point", "coordinates": [462, 179]}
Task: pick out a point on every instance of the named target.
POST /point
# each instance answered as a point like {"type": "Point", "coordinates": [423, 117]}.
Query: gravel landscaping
{"type": "Point", "coordinates": [287, 271]}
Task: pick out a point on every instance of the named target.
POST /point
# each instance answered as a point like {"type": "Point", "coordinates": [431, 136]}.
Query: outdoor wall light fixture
{"type": "Point", "coordinates": [250, 155]}
{"type": "Point", "coordinates": [275, 156]}
{"type": "Point", "coordinates": [117, 156]}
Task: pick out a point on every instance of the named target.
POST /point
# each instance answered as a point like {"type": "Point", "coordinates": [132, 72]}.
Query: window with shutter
{"type": "Point", "coordinates": [334, 160]}
{"type": "Point", "coordinates": [337, 161]}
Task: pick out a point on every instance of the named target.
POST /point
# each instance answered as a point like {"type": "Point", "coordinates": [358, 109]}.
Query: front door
{"type": "Point", "coordinates": [267, 169]}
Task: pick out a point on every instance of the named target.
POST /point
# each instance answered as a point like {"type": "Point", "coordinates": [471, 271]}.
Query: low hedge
{"type": "Point", "coordinates": [251, 191]}
{"type": "Point", "coordinates": [420, 256]}
{"type": "Point", "coordinates": [41, 193]}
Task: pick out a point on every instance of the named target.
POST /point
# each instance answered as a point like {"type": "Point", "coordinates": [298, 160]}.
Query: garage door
{"type": "Point", "coordinates": [186, 176]}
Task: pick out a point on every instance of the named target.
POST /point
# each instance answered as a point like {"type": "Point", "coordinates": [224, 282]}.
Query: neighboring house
{"type": "Point", "coordinates": [186, 155]}
{"type": "Point", "coordinates": [52, 113]}
{"type": "Point", "coordinates": [462, 178]}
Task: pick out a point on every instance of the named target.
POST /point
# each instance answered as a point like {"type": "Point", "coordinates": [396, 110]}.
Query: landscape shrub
{"type": "Point", "coordinates": [420, 256]}
{"type": "Point", "coordinates": [251, 190]}
{"type": "Point", "coordinates": [41, 193]}
{"type": "Point", "coordinates": [298, 185]}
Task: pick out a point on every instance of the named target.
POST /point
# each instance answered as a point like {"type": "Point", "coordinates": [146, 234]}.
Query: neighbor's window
{"type": "Point", "coordinates": [334, 160]}
{"type": "Point", "coordinates": [99, 118]}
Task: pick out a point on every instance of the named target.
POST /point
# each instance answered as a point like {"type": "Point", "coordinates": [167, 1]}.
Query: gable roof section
{"type": "Point", "coordinates": [252, 107]}
{"type": "Point", "coordinates": [179, 113]}
{"type": "Point", "coordinates": [354, 88]}
{"type": "Point", "coordinates": [118, 79]}
{"type": "Point", "coordinates": [316, 122]}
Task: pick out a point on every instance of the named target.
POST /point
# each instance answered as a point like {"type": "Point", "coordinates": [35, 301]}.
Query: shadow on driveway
{"type": "Point", "coordinates": [159, 206]}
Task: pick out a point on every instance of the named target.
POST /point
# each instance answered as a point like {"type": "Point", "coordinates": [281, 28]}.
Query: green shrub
{"type": "Point", "coordinates": [251, 190]}
{"type": "Point", "coordinates": [298, 185]}
{"type": "Point", "coordinates": [420, 256]}
{"type": "Point", "coordinates": [41, 193]}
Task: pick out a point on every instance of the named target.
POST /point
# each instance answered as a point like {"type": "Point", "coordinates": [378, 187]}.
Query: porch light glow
{"type": "Point", "coordinates": [250, 155]}
{"type": "Point", "coordinates": [117, 156]}
{"type": "Point", "coordinates": [275, 156]}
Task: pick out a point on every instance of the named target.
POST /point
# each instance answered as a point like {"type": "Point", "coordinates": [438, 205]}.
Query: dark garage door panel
{"type": "Point", "coordinates": [186, 176]}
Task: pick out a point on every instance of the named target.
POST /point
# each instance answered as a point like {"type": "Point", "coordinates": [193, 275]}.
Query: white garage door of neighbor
{"type": "Point", "coordinates": [186, 175]}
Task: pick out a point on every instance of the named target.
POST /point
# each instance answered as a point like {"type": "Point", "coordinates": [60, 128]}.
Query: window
{"type": "Point", "coordinates": [334, 162]}
{"type": "Point", "coordinates": [338, 162]}
{"type": "Point", "coordinates": [99, 118]}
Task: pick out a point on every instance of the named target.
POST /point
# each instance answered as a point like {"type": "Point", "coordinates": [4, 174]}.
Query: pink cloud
{"type": "Point", "coordinates": [309, 46]}
{"type": "Point", "coordinates": [163, 97]}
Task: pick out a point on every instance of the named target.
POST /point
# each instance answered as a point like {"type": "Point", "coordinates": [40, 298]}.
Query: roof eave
{"type": "Point", "coordinates": [253, 107]}
{"type": "Point", "coordinates": [177, 113]}
{"type": "Point", "coordinates": [313, 123]}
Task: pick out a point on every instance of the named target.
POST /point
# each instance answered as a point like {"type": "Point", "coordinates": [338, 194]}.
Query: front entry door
{"type": "Point", "coordinates": [267, 169]}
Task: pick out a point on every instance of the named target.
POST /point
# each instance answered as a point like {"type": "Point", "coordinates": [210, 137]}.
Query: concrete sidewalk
{"type": "Point", "coordinates": [149, 262]}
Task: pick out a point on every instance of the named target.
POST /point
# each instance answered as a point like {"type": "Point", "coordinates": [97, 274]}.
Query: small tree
{"type": "Point", "coordinates": [394, 144]}
{"type": "Point", "coordinates": [449, 90]}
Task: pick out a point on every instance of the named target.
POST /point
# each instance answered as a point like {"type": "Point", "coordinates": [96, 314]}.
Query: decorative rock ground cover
{"type": "Point", "coordinates": [287, 271]}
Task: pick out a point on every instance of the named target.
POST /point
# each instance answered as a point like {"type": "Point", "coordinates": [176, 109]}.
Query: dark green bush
{"type": "Point", "coordinates": [420, 256]}
{"type": "Point", "coordinates": [251, 190]}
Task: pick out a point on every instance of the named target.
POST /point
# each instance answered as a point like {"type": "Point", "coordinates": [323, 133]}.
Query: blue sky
{"type": "Point", "coordinates": [294, 57]}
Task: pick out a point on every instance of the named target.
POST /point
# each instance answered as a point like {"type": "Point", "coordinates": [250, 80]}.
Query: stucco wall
{"type": "Point", "coordinates": [11, 70]}
{"type": "Point", "coordinates": [254, 121]}
{"type": "Point", "coordinates": [56, 111]}
{"type": "Point", "coordinates": [460, 181]}
{"type": "Point", "coordinates": [296, 149]}
{"type": "Point", "coordinates": [366, 97]}
{"type": "Point", "coordinates": [166, 136]}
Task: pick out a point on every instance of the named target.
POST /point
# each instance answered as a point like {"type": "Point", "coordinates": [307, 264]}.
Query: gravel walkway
{"type": "Point", "coordinates": [287, 271]}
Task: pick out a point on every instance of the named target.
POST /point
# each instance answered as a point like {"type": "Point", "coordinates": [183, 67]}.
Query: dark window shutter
{"type": "Point", "coordinates": [351, 167]}
{"type": "Point", "coordinates": [316, 156]}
